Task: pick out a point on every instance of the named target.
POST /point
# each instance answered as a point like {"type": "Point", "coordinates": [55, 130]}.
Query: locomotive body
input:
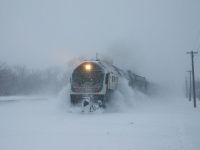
{"type": "Point", "coordinates": [93, 82]}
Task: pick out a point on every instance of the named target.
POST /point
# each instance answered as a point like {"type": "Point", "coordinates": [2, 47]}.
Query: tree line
{"type": "Point", "coordinates": [19, 80]}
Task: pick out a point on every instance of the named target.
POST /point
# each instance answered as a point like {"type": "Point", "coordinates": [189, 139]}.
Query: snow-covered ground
{"type": "Point", "coordinates": [151, 124]}
{"type": "Point", "coordinates": [132, 121]}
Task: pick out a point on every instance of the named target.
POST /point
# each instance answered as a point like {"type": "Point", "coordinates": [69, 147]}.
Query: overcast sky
{"type": "Point", "coordinates": [148, 36]}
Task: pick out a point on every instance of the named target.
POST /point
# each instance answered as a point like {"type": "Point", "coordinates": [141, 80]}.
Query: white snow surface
{"type": "Point", "coordinates": [131, 122]}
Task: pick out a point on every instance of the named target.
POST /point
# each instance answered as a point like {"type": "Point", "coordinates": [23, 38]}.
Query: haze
{"type": "Point", "coordinates": [150, 37]}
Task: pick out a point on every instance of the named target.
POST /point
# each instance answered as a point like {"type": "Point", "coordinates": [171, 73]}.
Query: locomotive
{"type": "Point", "coordinates": [93, 83]}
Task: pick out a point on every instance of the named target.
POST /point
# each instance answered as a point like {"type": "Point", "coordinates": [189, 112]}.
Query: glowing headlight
{"type": "Point", "coordinates": [88, 67]}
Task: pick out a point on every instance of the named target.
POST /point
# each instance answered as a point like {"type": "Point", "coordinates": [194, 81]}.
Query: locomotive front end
{"type": "Point", "coordinates": [87, 84]}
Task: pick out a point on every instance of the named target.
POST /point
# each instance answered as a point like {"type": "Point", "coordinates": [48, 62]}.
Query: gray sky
{"type": "Point", "coordinates": [148, 36]}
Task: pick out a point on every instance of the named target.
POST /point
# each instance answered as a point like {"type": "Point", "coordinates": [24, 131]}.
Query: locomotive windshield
{"type": "Point", "coordinates": [88, 77]}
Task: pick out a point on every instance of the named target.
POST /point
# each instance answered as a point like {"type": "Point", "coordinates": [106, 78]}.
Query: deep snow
{"type": "Point", "coordinates": [135, 122]}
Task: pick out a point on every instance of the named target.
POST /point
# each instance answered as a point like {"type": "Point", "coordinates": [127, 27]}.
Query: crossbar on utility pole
{"type": "Point", "coordinates": [193, 79]}
{"type": "Point", "coordinates": [190, 85]}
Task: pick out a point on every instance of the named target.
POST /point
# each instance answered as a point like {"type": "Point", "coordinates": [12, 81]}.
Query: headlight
{"type": "Point", "coordinates": [88, 67]}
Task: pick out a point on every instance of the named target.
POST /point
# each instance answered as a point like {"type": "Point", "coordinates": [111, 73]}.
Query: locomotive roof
{"type": "Point", "coordinates": [110, 68]}
{"type": "Point", "coordinates": [104, 65]}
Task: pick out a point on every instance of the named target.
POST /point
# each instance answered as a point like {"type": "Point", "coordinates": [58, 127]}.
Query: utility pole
{"type": "Point", "coordinates": [190, 85]}
{"type": "Point", "coordinates": [193, 79]}
{"type": "Point", "coordinates": [186, 88]}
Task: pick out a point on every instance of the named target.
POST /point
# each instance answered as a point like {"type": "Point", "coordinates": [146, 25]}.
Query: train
{"type": "Point", "coordinates": [93, 83]}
